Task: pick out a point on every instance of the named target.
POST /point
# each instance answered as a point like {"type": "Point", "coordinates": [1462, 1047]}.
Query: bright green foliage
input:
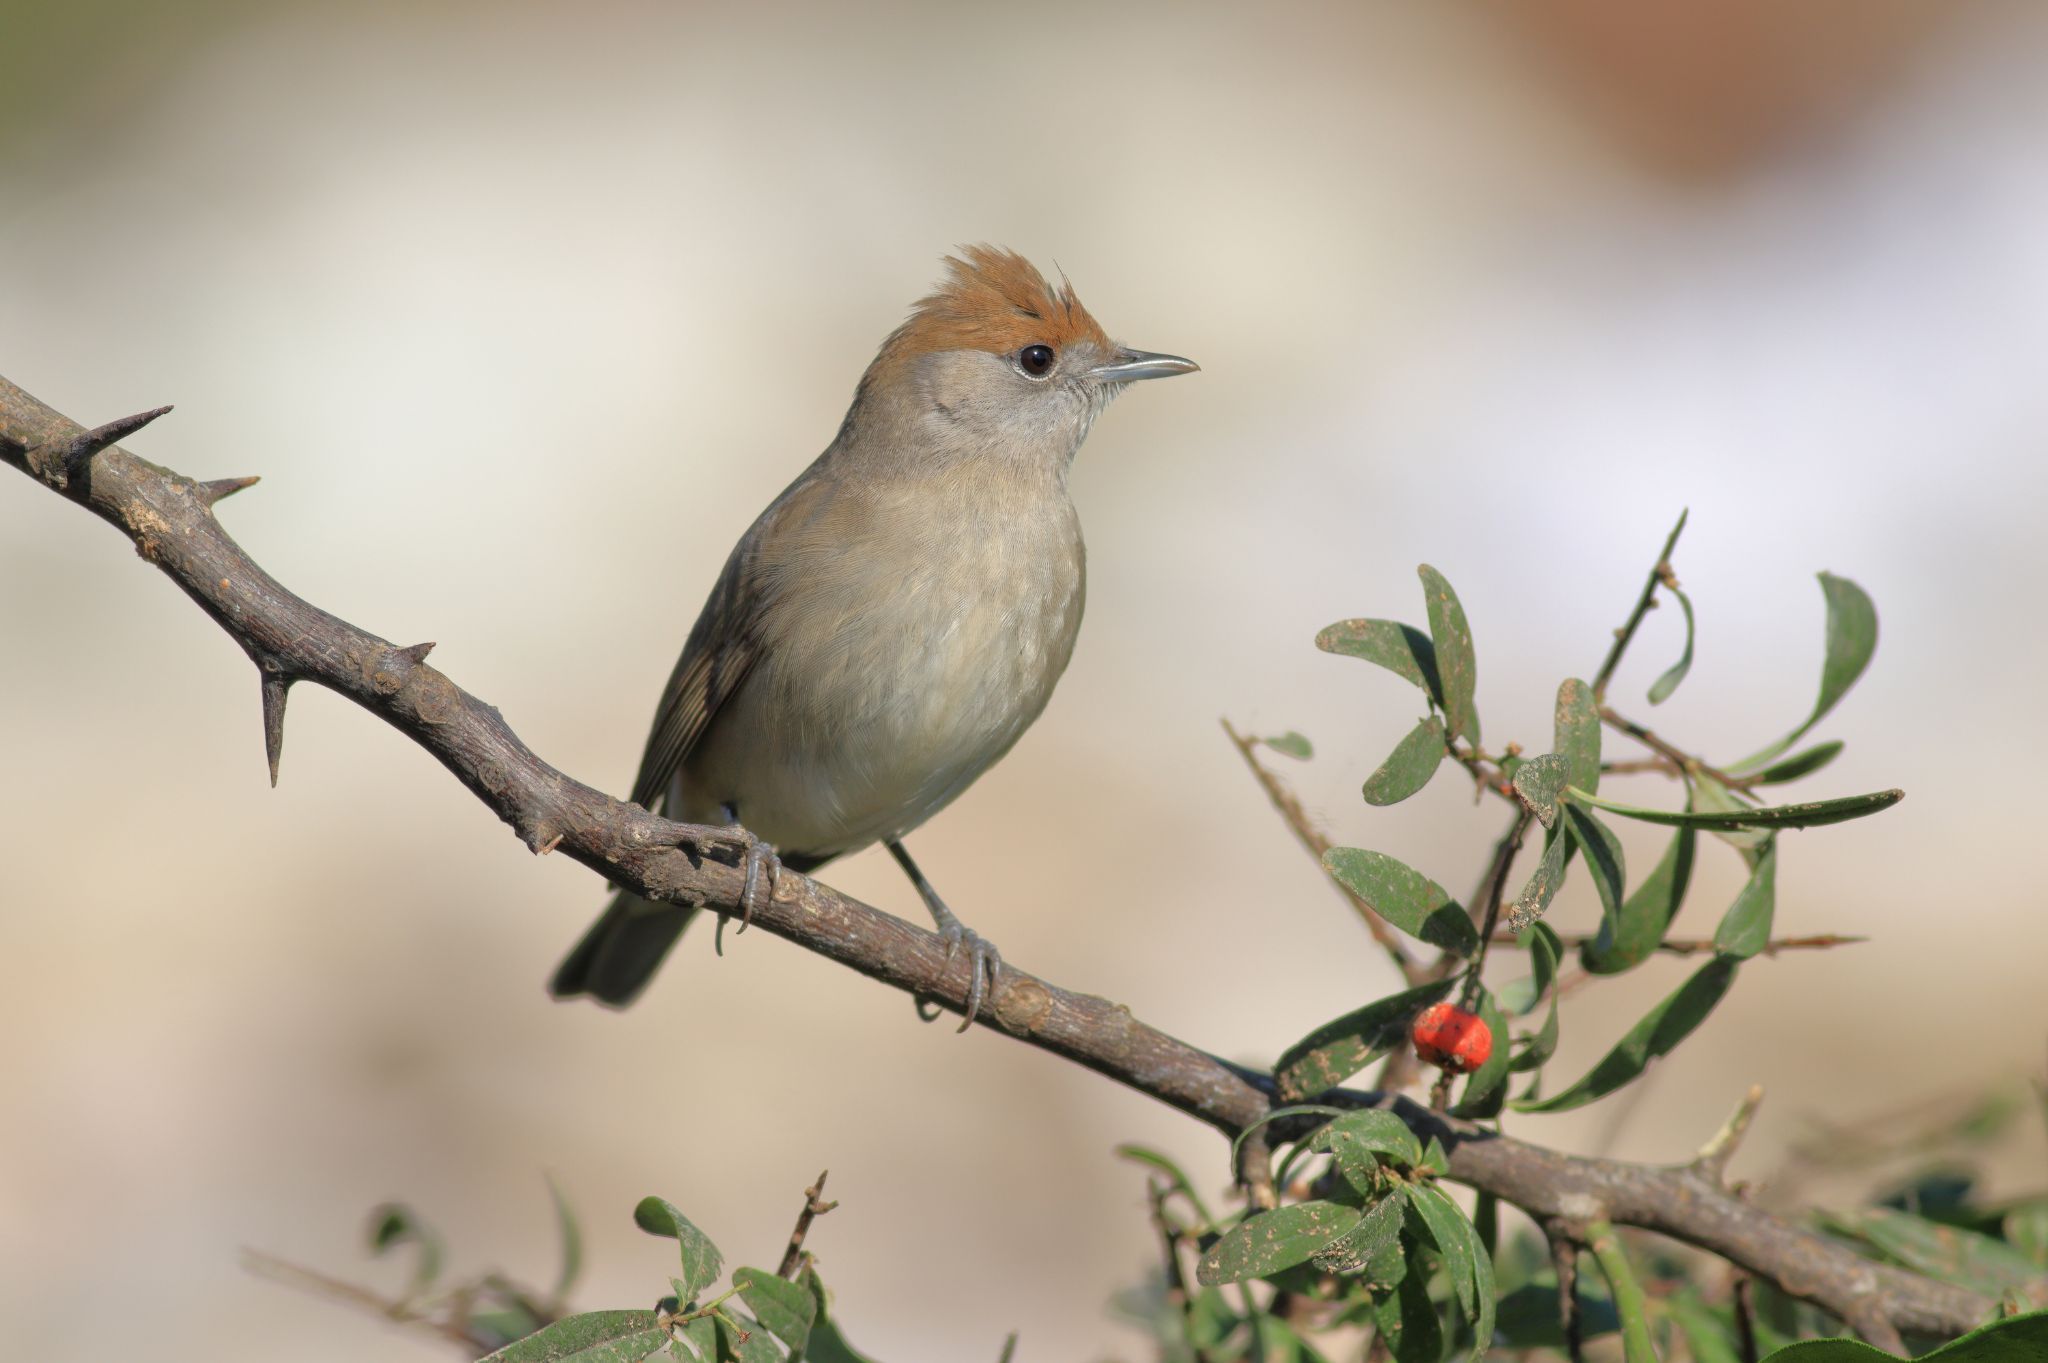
{"type": "Point", "coordinates": [1746, 927]}
{"type": "Point", "coordinates": [1851, 639]}
{"type": "Point", "coordinates": [1758, 817]}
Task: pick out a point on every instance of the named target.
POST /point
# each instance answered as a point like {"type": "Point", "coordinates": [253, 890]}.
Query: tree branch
{"type": "Point", "coordinates": [170, 520]}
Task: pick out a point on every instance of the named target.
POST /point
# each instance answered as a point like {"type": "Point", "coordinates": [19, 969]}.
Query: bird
{"type": "Point", "coordinates": [890, 625]}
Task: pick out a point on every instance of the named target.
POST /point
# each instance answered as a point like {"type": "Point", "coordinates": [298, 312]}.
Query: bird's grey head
{"type": "Point", "coordinates": [998, 364]}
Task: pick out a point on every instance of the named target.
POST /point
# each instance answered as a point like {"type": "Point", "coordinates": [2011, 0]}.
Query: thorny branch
{"type": "Point", "coordinates": [170, 520]}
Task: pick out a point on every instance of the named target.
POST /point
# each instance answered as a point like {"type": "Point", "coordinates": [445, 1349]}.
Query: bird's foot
{"type": "Point", "coordinates": [985, 966]}
{"type": "Point", "coordinates": [758, 860]}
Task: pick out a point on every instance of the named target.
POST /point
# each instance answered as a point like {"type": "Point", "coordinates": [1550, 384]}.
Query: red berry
{"type": "Point", "coordinates": [1451, 1038]}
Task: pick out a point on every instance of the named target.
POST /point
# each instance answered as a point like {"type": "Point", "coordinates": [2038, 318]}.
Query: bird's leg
{"type": "Point", "coordinates": [760, 858]}
{"type": "Point", "coordinates": [986, 961]}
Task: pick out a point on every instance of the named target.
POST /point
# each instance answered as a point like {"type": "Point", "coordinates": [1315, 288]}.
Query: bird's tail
{"type": "Point", "coordinates": [622, 950]}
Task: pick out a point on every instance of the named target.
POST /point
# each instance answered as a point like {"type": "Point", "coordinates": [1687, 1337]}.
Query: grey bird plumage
{"type": "Point", "coordinates": [893, 622]}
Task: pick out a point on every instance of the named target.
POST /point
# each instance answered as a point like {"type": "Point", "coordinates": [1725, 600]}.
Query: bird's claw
{"type": "Point", "coordinates": [758, 861]}
{"type": "Point", "coordinates": [986, 968]}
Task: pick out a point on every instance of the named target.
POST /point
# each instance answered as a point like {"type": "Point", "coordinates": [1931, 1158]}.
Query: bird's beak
{"type": "Point", "coordinates": [1129, 366]}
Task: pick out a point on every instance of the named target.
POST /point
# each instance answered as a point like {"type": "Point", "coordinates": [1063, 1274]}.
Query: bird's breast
{"type": "Point", "coordinates": [905, 660]}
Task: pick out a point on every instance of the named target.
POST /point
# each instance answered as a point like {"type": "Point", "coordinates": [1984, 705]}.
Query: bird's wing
{"type": "Point", "coordinates": [725, 643]}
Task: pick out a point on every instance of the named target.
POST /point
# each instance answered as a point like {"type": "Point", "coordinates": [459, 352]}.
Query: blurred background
{"type": "Point", "coordinates": [523, 311]}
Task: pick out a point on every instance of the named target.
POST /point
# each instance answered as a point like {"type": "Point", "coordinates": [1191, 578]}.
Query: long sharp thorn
{"type": "Point", "coordinates": [275, 686]}
{"type": "Point", "coordinates": [86, 444]}
{"type": "Point", "coordinates": [414, 653]}
{"type": "Point", "coordinates": [212, 492]}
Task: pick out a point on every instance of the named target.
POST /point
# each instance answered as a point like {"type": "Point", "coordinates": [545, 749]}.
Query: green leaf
{"type": "Point", "coordinates": [1545, 951]}
{"type": "Point", "coordinates": [1290, 744]}
{"type": "Point", "coordinates": [784, 1308]}
{"type": "Point", "coordinates": [1435, 1158]}
{"type": "Point", "coordinates": [1661, 689]}
{"type": "Point", "coordinates": [1746, 928]}
{"type": "Point", "coordinates": [1600, 850]}
{"type": "Point", "coordinates": [701, 1259]}
{"type": "Point", "coordinates": [2015, 1339]}
{"type": "Point", "coordinates": [1764, 816]}
{"type": "Point", "coordinates": [1486, 1090]}
{"type": "Point", "coordinates": [1464, 1258]}
{"type": "Point", "coordinates": [394, 1224]}
{"type": "Point", "coordinates": [1540, 782]}
{"type": "Point", "coordinates": [1371, 1246]}
{"type": "Point", "coordinates": [702, 1337]}
{"type": "Point", "coordinates": [1409, 767]}
{"type": "Point", "coordinates": [1800, 764]}
{"type": "Point", "coordinates": [1950, 1253]}
{"type": "Point", "coordinates": [1629, 940]}
{"type": "Point", "coordinates": [1520, 996]}
{"type": "Point", "coordinates": [737, 1344]}
{"type": "Point", "coordinates": [1576, 730]}
{"type": "Point", "coordinates": [1541, 886]}
{"type": "Point", "coordinates": [1401, 649]}
{"type": "Point", "coordinates": [1266, 1242]}
{"type": "Point", "coordinates": [827, 1344]}
{"type": "Point", "coordinates": [1669, 1023]}
{"type": "Point", "coordinates": [1337, 1050]}
{"type": "Point", "coordinates": [1404, 897]}
{"type": "Point", "coordinates": [1357, 1140]}
{"type": "Point", "coordinates": [1408, 1323]}
{"type": "Point", "coordinates": [1456, 665]}
{"type": "Point", "coordinates": [1705, 795]}
{"type": "Point", "coordinates": [572, 1242]}
{"type": "Point", "coordinates": [594, 1337]}
{"type": "Point", "coordinates": [1852, 638]}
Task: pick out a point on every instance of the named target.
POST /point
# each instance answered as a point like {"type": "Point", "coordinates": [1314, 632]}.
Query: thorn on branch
{"type": "Point", "coordinates": [1712, 1161]}
{"type": "Point", "coordinates": [209, 493]}
{"type": "Point", "coordinates": [275, 687]}
{"type": "Point", "coordinates": [77, 455]}
{"type": "Point", "coordinates": [415, 654]}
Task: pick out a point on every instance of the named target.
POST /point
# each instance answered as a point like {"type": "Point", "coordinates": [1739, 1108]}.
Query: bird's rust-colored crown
{"type": "Point", "coordinates": [994, 300]}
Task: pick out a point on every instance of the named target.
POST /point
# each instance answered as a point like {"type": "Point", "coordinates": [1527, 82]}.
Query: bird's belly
{"type": "Point", "coordinates": [875, 719]}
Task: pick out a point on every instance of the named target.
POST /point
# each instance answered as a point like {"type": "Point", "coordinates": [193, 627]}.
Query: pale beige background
{"type": "Point", "coordinates": [522, 311]}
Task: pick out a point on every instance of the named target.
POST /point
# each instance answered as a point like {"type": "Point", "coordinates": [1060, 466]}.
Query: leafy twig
{"type": "Point", "coordinates": [1660, 574]}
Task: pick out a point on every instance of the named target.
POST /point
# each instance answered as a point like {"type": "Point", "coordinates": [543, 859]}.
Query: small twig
{"type": "Point", "coordinates": [793, 1257]}
{"type": "Point", "coordinates": [1686, 762]}
{"type": "Point", "coordinates": [453, 1326]}
{"type": "Point", "coordinates": [1745, 1315]}
{"type": "Point", "coordinates": [1175, 1276]}
{"type": "Point", "coordinates": [1659, 575]}
{"type": "Point", "coordinates": [1496, 890]}
{"type": "Point", "coordinates": [1564, 1257]}
{"type": "Point", "coordinates": [1315, 842]}
{"type": "Point", "coordinates": [1694, 946]}
{"type": "Point", "coordinates": [1712, 1161]}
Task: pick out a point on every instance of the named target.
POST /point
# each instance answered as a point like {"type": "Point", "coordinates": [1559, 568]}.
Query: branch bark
{"type": "Point", "coordinates": [171, 522]}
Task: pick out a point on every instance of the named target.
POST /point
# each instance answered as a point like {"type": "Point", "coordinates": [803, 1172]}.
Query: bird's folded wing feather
{"type": "Point", "coordinates": [724, 645]}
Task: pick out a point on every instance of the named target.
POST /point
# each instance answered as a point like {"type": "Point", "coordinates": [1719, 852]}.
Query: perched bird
{"type": "Point", "coordinates": [896, 618]}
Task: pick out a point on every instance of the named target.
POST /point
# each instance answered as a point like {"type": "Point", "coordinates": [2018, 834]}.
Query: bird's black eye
{"type": "Point", "coordinates": [1035, 360]}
